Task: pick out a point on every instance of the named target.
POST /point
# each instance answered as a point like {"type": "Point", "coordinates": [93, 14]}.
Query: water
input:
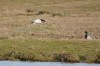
{"type": "Point", "coordinates": [19, 63]}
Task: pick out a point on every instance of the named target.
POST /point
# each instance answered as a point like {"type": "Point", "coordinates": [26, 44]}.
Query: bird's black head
{"type": "Point", "coordinates": [42, 20]}
{"type": "Point", "coordinates": [86, 32]}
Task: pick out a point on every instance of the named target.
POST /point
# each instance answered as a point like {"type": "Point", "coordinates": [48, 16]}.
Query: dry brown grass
{"type": "Point", "coordinates": [74, 17]}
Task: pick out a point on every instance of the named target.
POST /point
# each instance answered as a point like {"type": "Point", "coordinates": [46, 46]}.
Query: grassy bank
{"type": "Point", "coordinates": [65, 19]}
{"type": "Point", "coordinates": [50, 50]}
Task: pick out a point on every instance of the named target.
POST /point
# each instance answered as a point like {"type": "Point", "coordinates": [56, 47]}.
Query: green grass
{"type": "Point", "coordinates": [45, 50]}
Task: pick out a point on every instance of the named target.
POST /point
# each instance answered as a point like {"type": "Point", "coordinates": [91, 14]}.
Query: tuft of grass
{"type": "Point", "coordinates": [3, 37]}
{"type": "Point", "coordinates": [29, 10]}
{"type": "Point", "coordinates": [25, 56]}
{"type": "Point", "coordinates": [98, 61]}
{"type": "Point", "coordinates": [68, 57]}
{"type": "Point", "coordinates": [1, 58]}
{"type": "Point", "coordinates": [42, 12]}
{"type": "Point", "coordinates": [90, 58]}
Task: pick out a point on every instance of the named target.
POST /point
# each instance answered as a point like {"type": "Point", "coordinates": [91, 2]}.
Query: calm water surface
{"type": "Point", "coordinates": [19, 63]}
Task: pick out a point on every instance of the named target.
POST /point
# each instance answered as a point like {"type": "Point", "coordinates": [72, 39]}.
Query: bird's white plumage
{"type": "Point", "coordinates": [89, 37]}
{"type": "Point", "coordinates": [37, 21]}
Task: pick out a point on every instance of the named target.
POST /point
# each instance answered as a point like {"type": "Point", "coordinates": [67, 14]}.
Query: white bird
{"type": "Point", "coordinates": [38, 21]}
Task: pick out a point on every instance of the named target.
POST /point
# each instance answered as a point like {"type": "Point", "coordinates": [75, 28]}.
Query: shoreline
{"type": "Point", "coordinates": [50, 50]}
